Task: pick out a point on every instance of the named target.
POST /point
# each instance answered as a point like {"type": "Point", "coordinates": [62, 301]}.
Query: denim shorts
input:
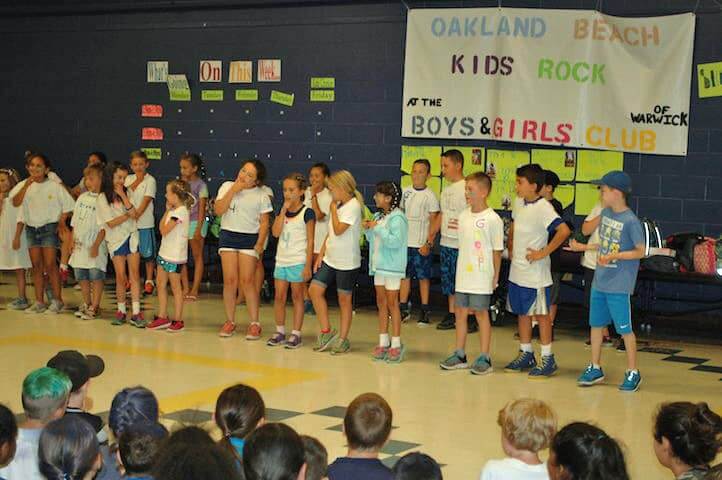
{"type": "Point", "coordinates": [88, 274]}
{"type": "Point", "coordinates": [291, 274]}
{"type": "Point", "coordinates": [128, 247]}
{"type": "Point", "coordinates": [345, 279]}
{"type": "Point", "coordinates": [45, 236]}
{"type": "Point", "coordinates": [473, 301]}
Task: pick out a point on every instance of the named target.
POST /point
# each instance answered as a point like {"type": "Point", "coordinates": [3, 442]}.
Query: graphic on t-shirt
{"type": "Point", "coordinates": [479, 226]}
{"type": "Point", "coordinates": [610, 235]}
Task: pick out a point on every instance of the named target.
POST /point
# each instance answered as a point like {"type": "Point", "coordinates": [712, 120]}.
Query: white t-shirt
{"type": "Point", "coordinates": [147, 188]}
{"type": "Point", "coordinates": [44, 202]}
{"type": "Point", "coordinates": [324, 203]}
{"type": "Point", "coordinates": [9, 218]}
{"type": "Point", "coordinates": [531, 230]}
{"type": "Point", "coordinates": [589, 259]}
{"type": "Point", "coordinates": [85, 232]}
{"type": "Point", "coordinates": [513, 469]}
{"type": "Point", "coordinates": [453, 201]}
{"type": "Point", "coordinates": [115, 236]}
{"type": "Point", "coordinates": [418, 205]}
{"type": "Point", "coordinates": [244, 212]}
{"type": "Point", "coordinates": [293, 241]}
{"type": "Point", "coordinates": [174, 244]}
{"type": "Point", "coordinates": [344, 252]}
{"type": "Point", "coordinates": [25, 464]}
{"type": "Point", "coordinates": [479, 235]}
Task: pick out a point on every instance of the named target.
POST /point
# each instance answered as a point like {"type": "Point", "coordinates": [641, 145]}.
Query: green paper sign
{"type": "Point", "coordinates": [323, 95]}
{"type": "Point", "coordinates": [153, 153]}
{"type": "Point", "coordinates": [247, 95]}
{"type": "Point", "coordinates": [178, 88]}
{"type": "Point", "coordinates": [323, 82]}
{"type": "Point", "coordinates": [282, 98]}
{"type": "Point", "coordinates": [212, 95]}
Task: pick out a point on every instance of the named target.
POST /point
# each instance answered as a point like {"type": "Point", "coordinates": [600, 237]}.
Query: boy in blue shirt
{"type": "Point", "coordinates": [621, 245]}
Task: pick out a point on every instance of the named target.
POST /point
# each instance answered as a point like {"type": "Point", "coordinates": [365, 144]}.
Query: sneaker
{"type": "Point", "coordinates": [481, 366]}
{"type": "Point", "coordinates": [148, 287]}
{"type": "Point", "coordinates": [37, 307]}
{"type": "Point", "coordinates": [55, 307]}
{"type": "Point", "coordinates": [621, 347]}
{"type": "Point", "coordinates": [454, 362]}
{"type": "Point", "coordinates": [19, 304]}
{"type": "Point", "coordinates": [119, 318]}
{"type": "Point", "coordinates": [227, 330]}
{"type": "Point", "coordinates": [89, 314]}
{"type": "Point", "coordinates": [380, 353]}
{"type": "Point", "coordinates": [341, 346]}
{"type": "Point", "coordinates": [405, 315]}
{"type": "Point", "coordinates": [81, 310]}
{"type": "Point", "coordinates": [253, 332]}
{"type": "Point", "coordinates": [276, 339]}
{"type": "Point", "coordinates": [324, 340]}
{"type": "Point", "coordinates": [396, 355]}
{"type": "Point", "coordinates": [547, 368]}
{"type": "Point", "coordinates": [293, 342]}
{"type": "Point", "coordinates": [472, 324]}
{"type": "Point", "coordinates": [523, 361]}
{"type": "Point", "coordinates": [424, 319]}
{"type": "Point", "coordinates": [176, 327]}
{"type": "Point", "coordinates": [159, 323]}
{"type": "Point", "coordinates": [308, 308]}
{"type": "Point", "coordinates": [266, 293]}
{"type": "Point", "coordinates": [138, 321]}
{"type": "Point", "coordinates": [448, 323]}
{"type": "Point", "coordinates": [590, 376]}
{"type": "Point", "coordinates": [631, 382]}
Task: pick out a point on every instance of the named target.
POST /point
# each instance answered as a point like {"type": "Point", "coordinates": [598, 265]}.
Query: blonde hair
{"type": "Point", "coordinates": [12, 174]}
{"type": "Point", "coordinates": [183, 190]}
{"type": "Point", "coordinates": [528, 424]}
{"type": "Point", "coordinates": [344, 180]}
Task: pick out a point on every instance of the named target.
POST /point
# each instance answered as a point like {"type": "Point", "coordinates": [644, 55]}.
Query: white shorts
{"type": "Point", "coordinates": [245, 251]}
{"type": "Point", "coordinates": [389, 283]}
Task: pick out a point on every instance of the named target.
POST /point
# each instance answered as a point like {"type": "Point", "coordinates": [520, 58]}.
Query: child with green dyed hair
{"type": "Point", "coordinates": [45, 396]}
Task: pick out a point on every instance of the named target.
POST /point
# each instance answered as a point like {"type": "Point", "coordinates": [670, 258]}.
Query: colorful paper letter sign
{"type": "Point", "coordinates": [153, 153]}
{"type": "Point", "coordinates": [178, 88]}
{"type": "Point", "coordinates": [282, 98]}
{"type": "Point", "coordinates": [155, 111]}
{"type": "Point", "coordinates": [709, 79]}
{"type": "Point", "coordinates": [151, 133]}
{"type": "Point", "coordinates": [240, 72]}
{"type": "Point", "coordinates": [323, 95]}
{"type": "Point", "coordinates": [157, 72]}
{"type": "Point", "coordinates": [269, 70]}
{"type": "Point", "coordinates": [250, 95]}
{"type": "Point", "coordinates": [411, 153]}
{"type": "Point", "coordinates": [212, 95]}
{"type": "Point", "coordinates": [210, 71]}
{"type": "Point", "coordinates": [323, 82]}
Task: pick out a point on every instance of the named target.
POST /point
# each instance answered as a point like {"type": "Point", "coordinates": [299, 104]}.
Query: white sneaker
{"type": "Point", "coordinates": [36, 307]}
{"type": "Point", "coordinates": [82, 310]}
{"type": "Point", "coordinates": [56, 306]}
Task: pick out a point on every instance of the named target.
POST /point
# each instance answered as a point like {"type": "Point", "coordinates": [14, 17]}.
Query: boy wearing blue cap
{"type": "Point", "coordinates": [621, 245]}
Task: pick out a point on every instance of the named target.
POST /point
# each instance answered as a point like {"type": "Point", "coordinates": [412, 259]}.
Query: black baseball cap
{"type": "Point", "coordinates": [80, 368]}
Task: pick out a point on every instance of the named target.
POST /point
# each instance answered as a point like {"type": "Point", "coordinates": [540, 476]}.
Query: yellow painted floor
{"type": "Point", "coordinates": [450, 415]}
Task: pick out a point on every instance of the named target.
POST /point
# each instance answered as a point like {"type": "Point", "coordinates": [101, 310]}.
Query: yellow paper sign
{"type": "Point", "coordinates": [434, 183]}
{"type": "Point", "coordinates": [323, 82]}
{"type": "Point", "coordinates": [212, 95]}
{"type": "Point", "coordinates": [709, 79]}
{"type": "Point", "coordinates": [501, 166]}
{"type": "Point", "coordinates": [411, 153]}
{"type": "Point", "coordinates": [323, 95]}
{"type": "Point", "coordinates": [178, 88]}
{"type": "Point", "coordinates": [586, 197]}
{"type": "Point", "coordinates": [282, 98]}
{"type": "Point", "coordinates": [153, 153]}
{"type": "Point", "coordinates": [561, 162]}
{"type": "Point", "coordinates": [473, 158]}
{"type": "Point", "coordinates": [593, 164]}
{"type": "Point", "coordinates": [247, 95]}
{"type": "Point", "coordinates": [565, 194]}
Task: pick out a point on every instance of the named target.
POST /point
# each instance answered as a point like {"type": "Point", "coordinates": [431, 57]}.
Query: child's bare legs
{"type": "Point", "coordinates": [405, 291]}
{"type": "Point", "coordinates": [177, 289]}
{"type": "Point", "coordinates": [317, 293]}
{"type": "Point", "coordinates": [524, 323]}
{"type": "Point", "coordinates": [149, 266]}
{"type": "Point", "coordinates": [66, 240]}
{"type": "Point", "coordinates": [630, 344]}
{"type": "Point", "coordinates": [392, 304]}
{"type": "Point", "coordinates": [452, 303]}
{"type": "Point", "coordinates": [424, 289]}
{"type": "Point", "coordinates": [383, 311]}
{"type": "Point", "coordinates": [162, 291]}
{"type": "Point", "coordinates": [345, 302]}
{"type": "Point", "coordinates": [184, 280]}
{"type": "Point", "coordinates": [596, 336]}
{"type": "Point", "coordinates": [552, 313]}
{"type": "Point", "coordinates": [197, 251]}
{"type": "Point", "coordinates": [85, 292]}
{"type": "Point", "coordinates": [461, 328]}
{"type": "Point", "coordinates": [36, 257]}
{"type": "Point", "coordinates": [134, 276]}
{"type": "Point", "coordinates": [96, 295]}
{"type": "Point", "coordinates": [482, 316]}
{"type": "Point", "coordinates": [51, 267]}
{"type": "Point", "coordinates": [229, 265]}
{"type": "Point", "coordinates": [545, 329]}
{"type": "Point", "coordinates": [297, 293]}
{"type": "Point", "coordinates": [120, 278]}
{"type": "Point", "coordinates": [260, 274]}
{"type": "Point", "coordinates": [247, 266]}
{"type": "Point", "coordinates": [307, 286]}
{"type": "Point", "coordinates": [279, 303]}
{"type": "Point", "coordinates": [20, 282]}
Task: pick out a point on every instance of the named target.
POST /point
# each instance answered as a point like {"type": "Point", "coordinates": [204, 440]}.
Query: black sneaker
{"type": "Point", "coordinates": [424, 319]}
{"type": "Point", "coordinates": [620, 346]}
{"type": "Point", "coordinates": [472, 324]}
{"type": "Point", "coordinates": [448, 323]}
{"type": "Point", "coordinates": [405, 315]}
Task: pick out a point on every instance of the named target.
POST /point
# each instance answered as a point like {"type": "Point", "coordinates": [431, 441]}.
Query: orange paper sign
{"type": "Point", "coordinates": [152, 133]}
{"type": "Point", "coordinates": [151, 111]}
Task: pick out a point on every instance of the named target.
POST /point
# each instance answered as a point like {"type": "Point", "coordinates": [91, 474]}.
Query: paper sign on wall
{"type": "Point", "coordinates": [151, 133]}
{"type": "Point", "coordinates": [212, 95]}
{"type": "Point", "coordinates": [501, 166]}
{"type": "Point", "coordinates": [323, 82]}
{"type": "Point", "coordinates": [240, 72]}
{"type": "Point", "coordinates": [269, 70]}
{"type": "Point", "coordinates": [411, 153]}
{"type": "Point", "coordinates": [586, 197]}
{"type": "Point", "coordinates": [249, 95]}
{"type": "Point", "coordinates": [157, 72]}
{"type": "Point", "coordinates": [473, 158]}
{"type": "Point", "coordinates": [155, 111]}
{"type": "Point", "coordinates": [434, 183]}
{"type": "Point", "coordinates": [709, 79]}
{"type": "Point", "coordinates": [323, 95]}
{"type": "Point", "coordinates": [282, 98]}
{"type": "Point", "coordinates": [561, 162]}
{"type": "Point", "coordinates": [210, 71]}
{"type": "Point", "coordinates": [153, 153]}
{"type": "Point", "coordinates": [594, 164]}
{"type": "Point", "coordinates": [178, 88]}
{"type": "Point", "coordinates": [565, 194]}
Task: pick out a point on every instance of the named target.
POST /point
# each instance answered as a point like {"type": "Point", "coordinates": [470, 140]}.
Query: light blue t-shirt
{"type": "Point", "coordinates": [618, 232]}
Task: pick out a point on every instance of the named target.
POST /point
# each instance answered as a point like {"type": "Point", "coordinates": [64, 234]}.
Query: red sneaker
{"type": "Point", "coordinates": [227, 330]}
{"type": "Point", "coordinates": [176, 327]}
{"type": "Point", "coordinates": [159, 323]}
{"type": "Point", "coordinates": [253, 332]}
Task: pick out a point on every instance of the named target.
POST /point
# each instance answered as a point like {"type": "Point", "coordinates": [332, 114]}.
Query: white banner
{"type": "Point", "coordinates": [549, 77]}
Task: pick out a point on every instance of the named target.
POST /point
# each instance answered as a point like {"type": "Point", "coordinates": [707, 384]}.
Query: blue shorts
{"type": "Point", "coordinates": [418, 266]}
{"type": "Point", "coordinates": [192, 229]}
{"type": "Point", "coordinates": [473, 301]}
{"type": "Point", "coordinates": [88, 274]}
{"type": "Point", "coordinates": [125, 249]}
{"type": "Point", "coordinates": [169, 267]}
{"type": "Point", "coordinates": [345, 279]}
{"type": "Point", "coordinates": [448, 269]}
{"type": "Point", "coordinates": [607, 308]}
{"type": "Point", "coordinates": [45, 236]}
{"type": "Point", "coordinates": [291, 274]}
{"type": "Point", "coordinates": [147, 243]}
{"type": "Point", "coordinates": [528, 301]}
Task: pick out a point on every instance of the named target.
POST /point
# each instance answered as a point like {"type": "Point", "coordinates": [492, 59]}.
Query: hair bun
{"type": "Point", "coordinates": [705, 415]}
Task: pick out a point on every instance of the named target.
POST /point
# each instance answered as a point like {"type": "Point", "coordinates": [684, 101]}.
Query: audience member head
{"type": "Point", "coordinates": [45, 394]}
{"type": "Point", "coordinates": [8, 435]}
{"type": "Point", "coordinates": [526, 425]}
{"type": "Point", "coordinates": [239, 411]}
{"type": "Point", "coordinates": [581, 451]}
{"type": "Point", "coordinates": [316, 458]}
{"type": "Point", "coordinates": [69, 450]}
{"type": "Point", "coordinates": [417, 466]}
{"type": "Point", "coordinates": [367, 423]}
{"type": "Point", "coordinates": [138, 447]}
{"type": "Point", "coordinates": [274, 452]}
{"type": "Point", "coordinates": [194, 456]}
{"type": "Point", "coordinates": [79, 369]}
{"type": "Point", "coordinates": [132, 405]}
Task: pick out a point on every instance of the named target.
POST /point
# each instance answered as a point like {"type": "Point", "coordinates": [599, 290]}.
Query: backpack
{"type": "Point", "coordinates": [660, 264]}
{"type": "Point", "coordinates": [705, 256]}
{"type": "Point", "coordinates": [684, 244]}
{"type": "Point", "coordinates": [652, 236]}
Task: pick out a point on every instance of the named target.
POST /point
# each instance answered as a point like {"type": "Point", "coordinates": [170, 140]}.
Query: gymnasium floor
{"type": "Point", "coordinates": [450, 415]}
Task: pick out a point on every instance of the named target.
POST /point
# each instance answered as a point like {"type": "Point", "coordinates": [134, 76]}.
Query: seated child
{"type": "Point", "coordinates": [316, 458]}
{"type": "Point", "coordinates": [274, 451]}
{"type": "Point", "coordinates": [581, 451]}
{"type": "Point", "coordinates": [137, 448]}
{"type": "Point", "coordinates": [8, 435]}
{"type": "Point", "coordinates": [417, 466]}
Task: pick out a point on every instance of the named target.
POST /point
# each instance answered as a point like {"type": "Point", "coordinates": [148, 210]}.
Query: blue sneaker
{"type": "Point", "coordinates": [547, 368]}
{"type": "Point", "coordinates": [523, 361]}
{"type": "Point", "coordinates": [631, 382]}
{"type": "Point", "coordinates": [590, 376]}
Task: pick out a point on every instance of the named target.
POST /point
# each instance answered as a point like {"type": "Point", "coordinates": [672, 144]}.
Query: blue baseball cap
{"type": "Point", "coordinates": [616, 179]}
